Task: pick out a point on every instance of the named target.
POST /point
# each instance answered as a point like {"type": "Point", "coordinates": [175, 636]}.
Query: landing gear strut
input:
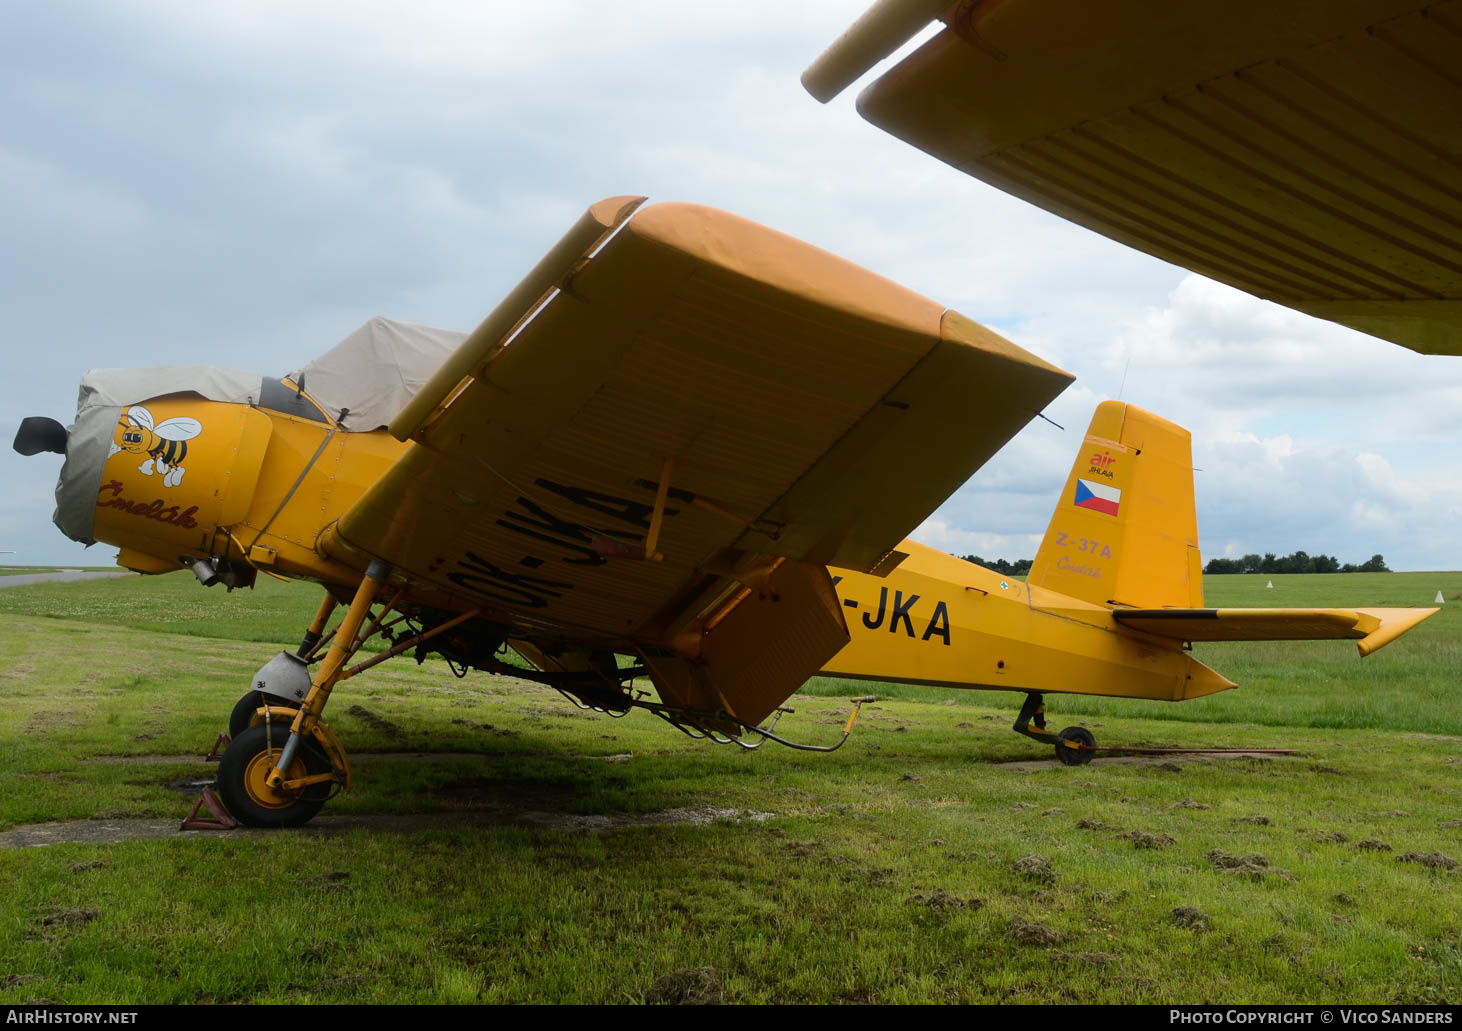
{"type": "Point", "coordinates": [1075, 746]}
{"type": "Point", "coordinates": [284, 762]}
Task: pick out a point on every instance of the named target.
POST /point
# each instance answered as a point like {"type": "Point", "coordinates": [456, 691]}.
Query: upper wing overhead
{"type": "Point", "coordinates": [1307, 151]}
{"type": "Point", "coordinates": [788, 403]}
{"type": "Point", "coordinates": [1372, 627]}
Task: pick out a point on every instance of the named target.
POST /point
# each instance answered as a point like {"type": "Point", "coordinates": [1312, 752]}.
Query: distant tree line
{"type": "Point", "coordinates": [1299, 562]}
{"type": "Point", "coordinates": [1019, 567]}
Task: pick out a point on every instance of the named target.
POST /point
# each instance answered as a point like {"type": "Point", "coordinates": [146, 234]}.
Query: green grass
{"type": "Point", "coordinates": [885, 872]}
{"type": "Point", "coordinates": [1404, 686]}
{"type": "Point", "coordinates": [174, 603]}
{"type": "Point", "coordinates": [27, 570]}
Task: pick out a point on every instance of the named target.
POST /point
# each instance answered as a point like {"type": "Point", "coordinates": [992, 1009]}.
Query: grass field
{"type": "Point", "coordinates": [1306, 683]}
{"type": "Point", "coordinates": [541, 854]}
{"type": "Point", "coordinates": [27, 570]}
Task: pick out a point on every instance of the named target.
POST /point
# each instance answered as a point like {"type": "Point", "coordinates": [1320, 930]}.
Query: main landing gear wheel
{"type": "Point", "coordinates": [247, 706]}
{"type": "Point", "coordinates": [1070, 756]}
{"type": "Point", "coordinates": [243, 779]}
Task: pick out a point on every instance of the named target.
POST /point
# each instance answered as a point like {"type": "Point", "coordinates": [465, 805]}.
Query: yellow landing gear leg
{"type": "Point", "coordinates": [280, 770]}
{"type": "Point", "coordinates": [341, 648]}
{"type": "Point", "coordinates": [317, 628]}
{"type": "Point", "coordinates": [1074, 746]}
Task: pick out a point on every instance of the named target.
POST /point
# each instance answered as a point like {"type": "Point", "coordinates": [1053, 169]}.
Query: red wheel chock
{"type": "Point", "coordinates": [219, 747]}
{"type": "Point", "coordinates": [221, 820]}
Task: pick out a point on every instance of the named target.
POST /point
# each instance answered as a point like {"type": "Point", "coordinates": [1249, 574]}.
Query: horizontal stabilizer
{"type": "Point", "coordinates": [1371, 627]}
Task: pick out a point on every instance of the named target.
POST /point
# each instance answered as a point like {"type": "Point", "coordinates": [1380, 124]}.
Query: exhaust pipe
{"type": "Point", "coordinates": [204, 571]}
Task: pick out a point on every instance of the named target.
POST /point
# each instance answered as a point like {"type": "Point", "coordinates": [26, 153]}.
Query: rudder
{"type": "Point", "coordinates": [1125, 529]}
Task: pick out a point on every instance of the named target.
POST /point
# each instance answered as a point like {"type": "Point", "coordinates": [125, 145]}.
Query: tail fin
{"type": "Point", "coordinates": [1125, 530]}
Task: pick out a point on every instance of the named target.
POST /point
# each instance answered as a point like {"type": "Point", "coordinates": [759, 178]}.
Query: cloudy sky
{"type": "Point", "coordinates": [245, 184]}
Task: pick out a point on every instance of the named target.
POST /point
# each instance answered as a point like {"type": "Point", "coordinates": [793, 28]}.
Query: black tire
{"type": "Point", "coordinates": [248, 705]}
{"type": "Point", "coordinates": [1071, 756]}
{"type": "Point", "coordinates": [245, 764]}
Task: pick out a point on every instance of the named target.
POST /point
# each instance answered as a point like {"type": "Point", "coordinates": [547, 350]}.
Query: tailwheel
{"type": "Point", "coordinates": [248, 706]}
{"type": "Point", "coordinates": [1075, 746]}
{"type": "Point", "coordinates": [243, 782]}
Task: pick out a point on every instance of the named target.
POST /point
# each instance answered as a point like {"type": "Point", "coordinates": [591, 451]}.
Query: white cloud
{"type": "Point", "coordinates": [248, 182]}
{"type": "Point", "coordinates": [1306, 436]}
{"type": "Point", "coordinates": [937, 533]}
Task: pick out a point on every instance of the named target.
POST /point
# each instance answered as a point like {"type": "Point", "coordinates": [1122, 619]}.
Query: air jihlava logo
{"type": "Point", "coordinates": [1101, 463]}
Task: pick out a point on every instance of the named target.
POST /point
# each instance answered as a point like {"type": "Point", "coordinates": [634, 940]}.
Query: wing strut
{"type": "Point", "coordinates": [658, 515]}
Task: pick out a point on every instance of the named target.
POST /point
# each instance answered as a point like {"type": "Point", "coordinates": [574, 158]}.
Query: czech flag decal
{"type": "Point", "coordinates": [1098, 496]}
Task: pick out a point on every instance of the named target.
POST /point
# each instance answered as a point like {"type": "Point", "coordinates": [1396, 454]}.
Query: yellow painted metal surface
{"type": "Point", "coordinates": [1393, 623]}
{"type": "Point", "coordinates": [282, 716]}
{"type": "Point", "coordinates": [1373, 628]}
{"type": "Point", "coordinates": [141, 562]}
{"type": "Point", "coordinates": [1125, 528]}
{"type": "Point", "coordinates": [743, 629]}
{"type": "Point", "coordinates": [705, 395]}
{"type": "Point", "coordinates": [558, 265]}
{"type": "Point", "coordinates": [1307, 152]}
{"type": "Point", "coordinates": [950, 413]}
{"type": "Point", "coordinates": [1248, 624]}
{"type": "Point", "coordinates": [666, 460]}
{"type": "Point", "coordinates": [942, 621]}
{"type": "Point", "coordinates": [786, 389]}
{"type": "Point", "coordinates": [344, 644]}
{"type": "Point", "coordinates": [251, 484]}
{"type": "Point", "coordinates": [773, 640]}
{"type": "Point", "coordinates": [307, 478]}
{"type": "Point", "coordinates": [179, 468]}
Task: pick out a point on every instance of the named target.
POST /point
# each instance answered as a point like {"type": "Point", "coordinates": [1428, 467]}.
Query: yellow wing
{"type": "Point", "coordinates": [1305, 151]}
{"type": "Point", "coordinates": [790, 409]}
{"type": "Point", "coordinates": [1373, 627]}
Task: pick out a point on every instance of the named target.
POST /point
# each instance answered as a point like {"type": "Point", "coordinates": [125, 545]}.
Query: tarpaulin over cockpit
{"type": "Point", "coordinates": [373, 372]}
{"type": "Point", "coordinates": [376, 370]}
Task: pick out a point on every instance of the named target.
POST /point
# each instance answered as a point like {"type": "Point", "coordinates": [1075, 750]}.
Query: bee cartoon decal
{"type": "Point", "coordinates": [164, 444]}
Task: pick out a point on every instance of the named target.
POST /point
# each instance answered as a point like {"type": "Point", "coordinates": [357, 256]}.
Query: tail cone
{"type": "Point", "coordinates": [1203, 680]}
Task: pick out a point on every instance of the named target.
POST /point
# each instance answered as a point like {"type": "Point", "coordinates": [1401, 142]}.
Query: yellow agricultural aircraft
{"type": "Point", "coordinates": [685, 440]}
{"type": "Point", "coordinates": [1305, 151]}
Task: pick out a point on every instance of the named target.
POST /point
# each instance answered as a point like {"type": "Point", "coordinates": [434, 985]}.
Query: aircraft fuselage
{"type": "Point", "coordinates": [941, 621]}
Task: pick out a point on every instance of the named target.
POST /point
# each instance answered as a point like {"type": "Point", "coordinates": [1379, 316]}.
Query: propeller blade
{"type": "Point", "coordinates": [37, 434]}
